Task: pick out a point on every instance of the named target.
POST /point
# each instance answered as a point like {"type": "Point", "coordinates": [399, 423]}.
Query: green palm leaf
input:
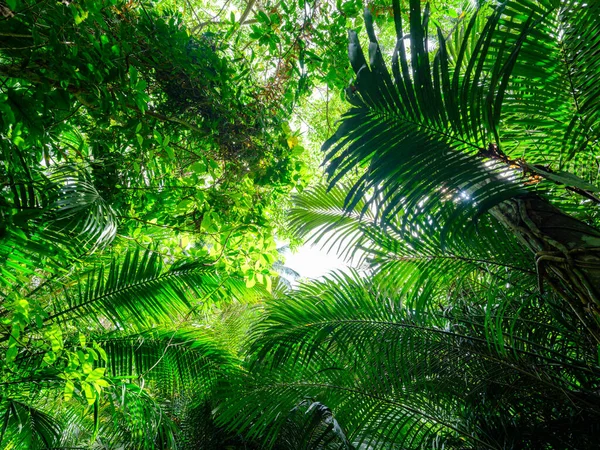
{"type": "Point", "coordinates": [163, 373]}
{"type": "Point", "coordinates": [77, 207]}
{"type": "Point", "coordinates": [551, 104]}
{"type": "Point", "coordinates": [180, 361]}
{"type": "Point", "coordinates": [140, 289]}
{"type": "Point", "coordinates": [410, 260]}
{"type": "Point", "coordinates": [420, 133]}
{"type": "Point", "coordinates": [393, 379]}
{"type": "Point", "coordinates": [24, 426]}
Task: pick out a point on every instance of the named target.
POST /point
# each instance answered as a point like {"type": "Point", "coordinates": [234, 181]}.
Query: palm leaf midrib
{"type": "Point", "coordinates": [339, 322]}
{"type": "Point", "coordinates": [459, 258]}
{"type": "Point", "coordinates": [122, 289]}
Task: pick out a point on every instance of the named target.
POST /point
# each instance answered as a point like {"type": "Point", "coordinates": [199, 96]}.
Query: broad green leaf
{"type": "Point", "coordinates": [68, 390]}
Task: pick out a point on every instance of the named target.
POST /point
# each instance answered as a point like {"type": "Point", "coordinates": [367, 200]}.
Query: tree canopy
{"type": "Point", "coordinates": [156, 157]}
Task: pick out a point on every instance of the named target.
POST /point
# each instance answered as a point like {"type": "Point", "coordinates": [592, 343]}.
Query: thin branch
{"type": "Point", "coordinates": [221, 22]}
{"type": "Point", "coordinates": [28, 36]}
{"type": "Point", "coordinates": [247, 11]}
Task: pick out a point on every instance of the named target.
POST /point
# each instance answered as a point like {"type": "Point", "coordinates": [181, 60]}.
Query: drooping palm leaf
{"type": "Point", "coordinates": [505, 85]}
{"type": "Point", "coordinates": [139, 288]}
{"type": "Point", "coordinates": [58, 220]}
{"type": "Point", "coordinates": [319, 217]}
{"type": "Point", "coordinates": [433, 138]}
{"type": "Point", "coordinates": [179, 362]}
{"type": "Point", "coordinates": [61, 204]}
{"type": "Point", "coordinates": [463, 378]}
{"type": "Point", "coordinates": [421, 130]}
{"type": "Point", "coordinates": [24, 426]}
{"type": "Point", "coordinates": [79, 208]}
{"type": "Point", "coordinates": [165, 374]}
{"type": "Point", "coordinates": [414, 259]}
{"type": "Point", "coordinates": [134, 418]}
{"type": "Point", "coordinates": [153, 376]}
{"type": "Point", "coordinates": [551, 105]}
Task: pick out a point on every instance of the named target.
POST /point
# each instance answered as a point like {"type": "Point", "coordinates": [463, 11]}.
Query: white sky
{"type": "Point", "coordinates": [312, 262]}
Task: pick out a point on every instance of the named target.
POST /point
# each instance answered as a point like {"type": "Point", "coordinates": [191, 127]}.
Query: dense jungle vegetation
{"type": "Point", "coordinates": [155, 157]}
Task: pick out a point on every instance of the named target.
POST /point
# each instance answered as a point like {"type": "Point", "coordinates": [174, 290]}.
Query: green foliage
{"type": "Point", "coordinates": [445, 341]}
{"type": "Point", "coordinates": [431, 132]}
{"type": "Point", "coordinates": [140, 177]}
{"type": "Point", "coordinates": [147, 162]}
{"type": "Point", "coordinates": [422, 267]}
{"type": "Point", "coordinates": [492, 375]}
{"type": "Point", "coordinates": [161, 130]}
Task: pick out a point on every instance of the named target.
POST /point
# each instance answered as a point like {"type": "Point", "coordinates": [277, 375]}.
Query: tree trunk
{"type": "Point", "coordinates": [567, 252]}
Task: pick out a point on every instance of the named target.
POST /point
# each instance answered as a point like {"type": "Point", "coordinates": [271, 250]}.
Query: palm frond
{"type": "Point", "coordinates": [415, 260]}
{"type": "Point", "coordinates": [77, 207]}
{"type": "Point", "coordinates": [133, 418]}
{"type": "Point", "coordinates": [179, 362]}
{"type": "Point", "coordinates": [421, 133]}
{"type": "Point", "coordinates": [62, 204]}
{"type": "Point", "coordinates": [319, 217]}
{"type": "Point", "coordinates": [140, 288]}
{"type": "Point", "coordinates": [58, 220]}
{"type": "Point", "coordinates": [24, 426]}
{"type": "Point", "coordinates": [157, 375]}
{"type": "Point", "coordinates": [551, 104]}
{"type": "Point", "coordinates": [394, 379]}
{"type": "Point", "coordinates": [22, 257]}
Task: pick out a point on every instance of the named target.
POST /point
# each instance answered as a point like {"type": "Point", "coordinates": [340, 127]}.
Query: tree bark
{"type": "Point", "coordinates": [567, 252]}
